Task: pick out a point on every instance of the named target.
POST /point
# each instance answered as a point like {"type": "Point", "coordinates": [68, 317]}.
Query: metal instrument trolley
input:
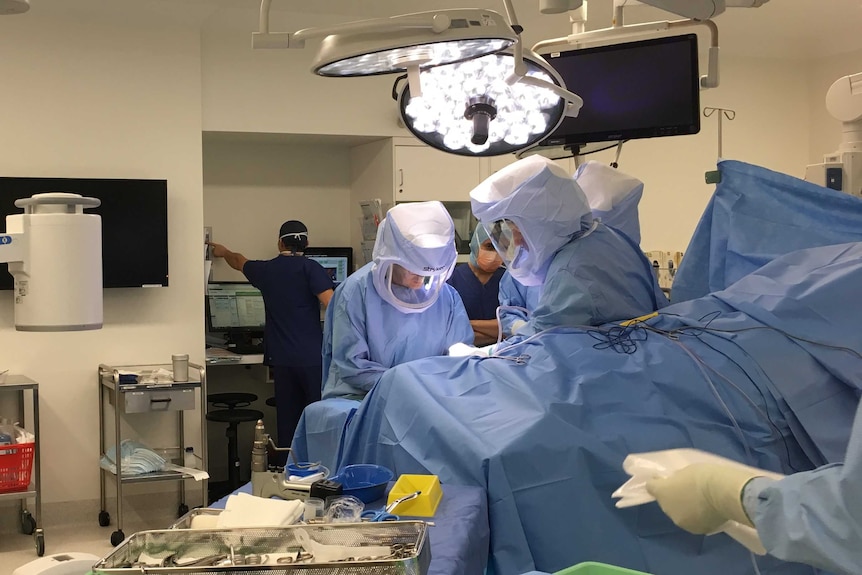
{"type": "Point", "coordinates": [126, 398]}
{"type": "Point", "coordinates": [18, 480]}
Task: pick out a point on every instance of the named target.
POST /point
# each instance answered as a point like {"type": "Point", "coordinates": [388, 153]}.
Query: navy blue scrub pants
{"type": "Point", "coordinates": [295, 387]}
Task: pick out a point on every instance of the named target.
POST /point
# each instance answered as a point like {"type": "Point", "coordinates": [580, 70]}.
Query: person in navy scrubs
{"type": "Point", "coordinates": [478, 284]}
{"type": "Point", "coordinates": [293, 288]}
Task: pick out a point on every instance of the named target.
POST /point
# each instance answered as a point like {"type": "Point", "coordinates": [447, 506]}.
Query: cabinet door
{"type": "Point", "coordinates": [423, 173]}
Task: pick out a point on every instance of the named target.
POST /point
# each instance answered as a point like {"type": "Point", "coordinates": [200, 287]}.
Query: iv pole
{"type": "Point", "coordinates": [714, 176]}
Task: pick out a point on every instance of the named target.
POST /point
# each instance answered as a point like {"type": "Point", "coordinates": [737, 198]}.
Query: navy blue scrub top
{"type": "Point", "coordinates": [290, 284]}
{"type": "Point", "coordinates": [480, 301]}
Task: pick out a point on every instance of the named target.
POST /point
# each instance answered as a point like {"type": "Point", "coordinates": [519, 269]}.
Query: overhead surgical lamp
{"type": "Point", "coordinates": [494, 105]}
{"type": "Point", "coordinates": [54, 251]}
{"type": "Point", "coordinates": [405, 43]}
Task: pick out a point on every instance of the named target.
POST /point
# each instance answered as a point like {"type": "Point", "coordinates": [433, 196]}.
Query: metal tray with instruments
{"type": "Point", "coordinates": [379, 548]}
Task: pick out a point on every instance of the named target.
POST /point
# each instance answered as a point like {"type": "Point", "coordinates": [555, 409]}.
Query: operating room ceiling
{"type": "Point", "coordinates": [795, 29]}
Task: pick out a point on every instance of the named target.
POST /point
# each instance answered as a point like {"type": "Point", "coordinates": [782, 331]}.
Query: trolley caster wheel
{"type": "Point", "coordinates": [182, 509]}
{"type": "Point", "coordinates": [40, 543]}
{"type": "Point", "coordinates": [28, 524]}
{"type": "Point", "coordinates": [117, 537]}
{"type": "Point", "coordinates": [104, 518]}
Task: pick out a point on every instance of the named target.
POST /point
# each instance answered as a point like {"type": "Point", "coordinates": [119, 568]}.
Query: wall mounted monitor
{"type": "Point", "coordinates": [643, 89]}
{"type": "Point", "coordinates": [134, 225]}
{"type": "Point", "coordinates": [338, 262]}
{"type": "Point", "coordinates": [234, 307]}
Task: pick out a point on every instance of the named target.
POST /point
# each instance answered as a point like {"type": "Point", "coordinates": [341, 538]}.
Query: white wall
{"type": "Point", "coordinates": [103, 99]}
{"type": "Point", "coordinates": [250, 189]}
{"type": "Point", "coordinates": [770, 129]}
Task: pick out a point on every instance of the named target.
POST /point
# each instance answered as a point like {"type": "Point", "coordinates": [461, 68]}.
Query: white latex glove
{"type": "Point", "coordinates": [518, 324]}
{"type": "Point", "coordinates": [702, 497]}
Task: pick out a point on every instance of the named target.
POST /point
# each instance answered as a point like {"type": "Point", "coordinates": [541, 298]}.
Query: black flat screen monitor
{"type": "Point", "coordinates": [234, 307]}
{"type": "Point", "coordinates": [642, 89]}
{"type": "Point", "coordinates": [338, 262]}
{"type": "Point", "coordinates": [134, 225]}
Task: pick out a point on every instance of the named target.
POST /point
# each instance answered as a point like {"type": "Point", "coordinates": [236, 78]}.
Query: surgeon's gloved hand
{"type": "Point", "coordinates": [518, 324]}
{"type": "Point", "coordinates": [702, 497]}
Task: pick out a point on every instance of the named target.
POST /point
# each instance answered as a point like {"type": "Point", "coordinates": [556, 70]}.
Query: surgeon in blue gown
{"type": "Point", "coordinates": [813, 517]}
{"type": "Point", "coordinates": [398, 307]}
{"type": "Point", "coordinates": [478, 284]}
{"type": "Point", "coordinates": [517, 302]}
{"type": "Point", "coordinates": [541, 223]}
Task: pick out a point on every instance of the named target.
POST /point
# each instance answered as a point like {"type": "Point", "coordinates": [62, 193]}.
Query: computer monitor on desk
{"type": "Point", "coordinates": [236, 309]}
{"type": "Point", "coordinates": [338, 262]}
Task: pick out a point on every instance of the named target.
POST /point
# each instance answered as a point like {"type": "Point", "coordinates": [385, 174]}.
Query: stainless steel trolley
{"type": "Point", "coordinates": [145, 398]}
{"type": "Point", "coordinates": [29, 525]}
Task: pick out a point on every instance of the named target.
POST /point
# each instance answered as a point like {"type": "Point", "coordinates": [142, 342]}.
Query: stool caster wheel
{"type": "Point", "coordinates": [117, 537]}
{"type": "Point", "coordinates": [28, 524]}
{"type": "Point", "coordinates": [104, 518]}
{"type": "Point", "coordinates": [182, 509]}
{"type": "Point", "coordinates": [39, 538]}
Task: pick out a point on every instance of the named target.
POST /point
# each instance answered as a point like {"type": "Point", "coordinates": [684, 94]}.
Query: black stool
{"type": "Point", "coordinates": [270, 401]}
{"type": "Point", "coordinates": [233, 415]}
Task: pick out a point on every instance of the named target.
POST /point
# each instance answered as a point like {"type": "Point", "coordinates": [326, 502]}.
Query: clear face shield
{"type": "Point", "coordinates": [509, 243]}
{"type": "Point", "coordinates": [412, 291]}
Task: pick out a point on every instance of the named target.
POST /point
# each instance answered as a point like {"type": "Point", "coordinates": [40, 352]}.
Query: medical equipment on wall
{"type": "Point", "coordinates": [54, 251]}
{"type": "Point", "coordinates": [842, 170]}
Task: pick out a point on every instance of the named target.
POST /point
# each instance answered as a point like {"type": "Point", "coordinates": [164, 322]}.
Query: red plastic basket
{"type": "Point", "coordinates": [16, 463]}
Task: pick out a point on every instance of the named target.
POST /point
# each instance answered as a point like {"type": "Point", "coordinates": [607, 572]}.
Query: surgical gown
{"type": "Point", "coordinates": [814, 517]}
{"type": "Point", "coordinates": [514, 294]}
{"type": "Point", "coordinates": [598, 278]}
{"type": "Point", "coordinates": [363, 335]}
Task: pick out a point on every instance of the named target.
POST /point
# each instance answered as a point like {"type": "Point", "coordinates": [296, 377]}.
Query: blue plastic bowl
{"type": "Point", "coordinates": [364, 481]}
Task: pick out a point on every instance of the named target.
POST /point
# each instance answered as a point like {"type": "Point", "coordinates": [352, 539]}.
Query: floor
{"type": "Point", "coordinates": [75, 528]}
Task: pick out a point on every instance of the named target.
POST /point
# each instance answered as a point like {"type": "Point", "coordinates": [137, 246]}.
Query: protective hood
{"type": "Point", "coordinates": [545, 205]}
{"type": "Point", "coordinates": [420, 238]}
{"type": "Point", "coordinates": [613, 196]}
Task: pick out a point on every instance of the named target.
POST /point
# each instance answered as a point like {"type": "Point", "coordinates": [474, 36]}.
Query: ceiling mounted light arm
{"type": "Point", "coordinates": [620, 30]}
{"type": "Point", "coordinates": [436, 22]}
{"type": "Point", "coordinates": [519, 74]}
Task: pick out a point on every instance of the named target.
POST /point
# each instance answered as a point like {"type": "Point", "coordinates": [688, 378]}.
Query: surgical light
{"type": "Point", "coordinates": [408, 42]}
{"type": "Point", "coordinates": [54, 251]}
{"type": "Point", "coordinates": [487, 106]}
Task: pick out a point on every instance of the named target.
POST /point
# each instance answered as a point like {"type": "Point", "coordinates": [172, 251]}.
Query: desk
{"type": "Point", "coordinates": [219, 356]}
{"type": "Point", "coordinates": [460, 536]}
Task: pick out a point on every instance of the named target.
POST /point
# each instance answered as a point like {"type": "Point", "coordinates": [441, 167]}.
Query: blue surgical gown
{"type": "Point", "coordinates": [363, 335]}
{"type": "Point", "coordinates": [515, 294]}
{"type": "Point", "coordinates": [814, 517]}
{"type": "Point", "coordinates": [598, 278]}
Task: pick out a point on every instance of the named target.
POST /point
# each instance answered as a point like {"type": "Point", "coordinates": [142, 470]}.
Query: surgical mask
{"type": "Point", "coordinates": [488, 260]}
